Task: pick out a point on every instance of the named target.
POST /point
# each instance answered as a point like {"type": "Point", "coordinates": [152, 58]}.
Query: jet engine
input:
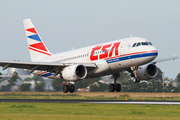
{"type": "Point", "coordinates": [146, 72]}
{"type": "Point", "coordinates": [74, 72]}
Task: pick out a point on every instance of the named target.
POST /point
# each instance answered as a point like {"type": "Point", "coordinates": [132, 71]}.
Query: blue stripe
{"type": "Point", "coordinates": [131, 57]}
{"type": "Point", "coordinates": [47, 74]}
{"type": "Point", "coordinates": [35, 37]}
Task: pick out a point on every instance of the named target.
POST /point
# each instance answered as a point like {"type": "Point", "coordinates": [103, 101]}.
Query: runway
{"type": "Point", "coordinates": [91, 101]}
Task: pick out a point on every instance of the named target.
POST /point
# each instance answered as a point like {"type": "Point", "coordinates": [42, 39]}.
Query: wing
{"type": "Point", "coordinates": [44, 66]}
{"type": "Point", "coordinates": [164, 59]}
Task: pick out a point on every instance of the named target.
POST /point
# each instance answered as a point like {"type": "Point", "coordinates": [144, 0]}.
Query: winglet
{"type": "Point", "coordinates": [175, 57]}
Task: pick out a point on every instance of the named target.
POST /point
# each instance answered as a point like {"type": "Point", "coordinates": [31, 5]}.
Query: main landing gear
{"type": "Point", "coordinates": [69, 88]}
{"type": "Point", "coordinates": [133, 71]}
{"type": "Point", "coordinates": [115, 86]}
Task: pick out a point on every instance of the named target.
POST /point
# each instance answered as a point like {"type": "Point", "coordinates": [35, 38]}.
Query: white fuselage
{"type": "Point", "coordinates": [110, 57]}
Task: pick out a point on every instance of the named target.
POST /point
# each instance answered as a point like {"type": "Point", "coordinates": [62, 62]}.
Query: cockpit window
{"type": "Point", "coordinates": [138, 44]}
{"type": "Point", "coordinates": [134, 45]}
{"type": "Point", "coordinates": [150, 43]}
{"type": "Point", "coordinates": [144, 43]}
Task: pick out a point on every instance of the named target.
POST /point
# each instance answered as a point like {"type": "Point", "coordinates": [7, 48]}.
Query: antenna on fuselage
{"type": "Point", "coordinates": [130, 35]}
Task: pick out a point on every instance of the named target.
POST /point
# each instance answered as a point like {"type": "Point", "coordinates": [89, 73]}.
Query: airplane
{"type": "Point", "coordinates": [134, 54]}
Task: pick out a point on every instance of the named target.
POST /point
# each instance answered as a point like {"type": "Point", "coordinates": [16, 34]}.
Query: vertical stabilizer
{"type": "Point", "coordinates": [36, 46]}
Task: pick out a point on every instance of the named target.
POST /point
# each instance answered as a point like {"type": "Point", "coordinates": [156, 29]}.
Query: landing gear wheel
{"type": "Point", "coordinates": [118, 87]}
{"type": "Point", "coordinates": [71, 88]}
{"type": "Point", "coordinates": [112, 88]}
{"type": "Point", "coordinates": [65, 88]}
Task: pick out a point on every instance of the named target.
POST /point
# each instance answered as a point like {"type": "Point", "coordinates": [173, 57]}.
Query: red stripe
{"type": "Point", "coordinates": [114, 57]}
{"type": "Point", "coordinates": [131, 54]}
{"type": "Point", "coordinates": [31, 30]}
{"type": "Point", "coordinates": [40, 74]}
{"type": "Point", "coordinates": [39, 51]}
{"type": "Point", "coordinates": [39, 46]}
{"type": "Point", "coordinates": [43, 73]}
{"type": "Point", "coordinates": [137, 53]}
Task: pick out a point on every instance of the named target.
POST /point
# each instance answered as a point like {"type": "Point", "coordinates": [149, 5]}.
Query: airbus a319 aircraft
{"type": "Point", "coordinates": [134, 54]}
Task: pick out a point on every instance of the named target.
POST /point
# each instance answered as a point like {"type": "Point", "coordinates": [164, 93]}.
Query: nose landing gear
{"type": "Point", "coordinates": [133, 70]}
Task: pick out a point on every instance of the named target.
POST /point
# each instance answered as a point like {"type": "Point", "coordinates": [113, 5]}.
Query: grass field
{"type": "Point", "coordinates": [59, 111]}
{"type": "Point", "coordinates": [89, 96]}
{"type": "Point", "coordinates": [78, 111]}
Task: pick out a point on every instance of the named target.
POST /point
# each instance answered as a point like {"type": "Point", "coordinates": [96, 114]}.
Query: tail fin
{"type": "Point", "coordinates": [36, 46]}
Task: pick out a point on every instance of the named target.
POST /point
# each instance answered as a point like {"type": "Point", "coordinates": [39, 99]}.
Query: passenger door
{"type": "Point", "coordinates": [122, 47]}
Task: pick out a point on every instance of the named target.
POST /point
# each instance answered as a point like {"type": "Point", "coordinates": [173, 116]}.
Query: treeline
{"type": "Point", "coordinates": [127, 85]}
{"type": "Point", "coordinates": [39, 82]}
{"type": "Point", "coordinates": [38, 87]}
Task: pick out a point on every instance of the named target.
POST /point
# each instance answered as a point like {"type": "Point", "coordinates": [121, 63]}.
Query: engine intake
{"type": "Point", "coordinates": [74, 72]}
{"type": "Point", "coordinates": [146, 72]}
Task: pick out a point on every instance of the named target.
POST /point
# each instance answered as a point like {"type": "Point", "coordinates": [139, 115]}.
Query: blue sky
{"type": "Point", "coordinates": [64, 24]}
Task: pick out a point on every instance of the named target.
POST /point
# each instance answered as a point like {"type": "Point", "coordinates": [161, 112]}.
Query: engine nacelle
{"type": "Point", "coordinates": [146, 72]}
{"type": "Point", "coordinates": [74, 72]}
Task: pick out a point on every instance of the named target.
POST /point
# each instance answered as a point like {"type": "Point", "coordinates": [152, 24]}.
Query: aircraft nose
{"type": "Point", "coordinates": [155, 51]}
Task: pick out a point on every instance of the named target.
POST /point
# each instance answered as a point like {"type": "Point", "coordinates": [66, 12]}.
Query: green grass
{"type": "Point", "coordinates": [40, 96]}
{"type": "Point", "coordinates": [76, 96]}
{"type": "Point", "coordinates": [59, 111]}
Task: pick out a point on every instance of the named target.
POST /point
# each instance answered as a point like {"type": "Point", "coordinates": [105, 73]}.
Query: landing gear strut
{"type": "Point", "coordinates": [69, 88]}
{"type": "Point", "coordinates": [115, 86]}
{"type": "Point", "coordinates": [134, 74]}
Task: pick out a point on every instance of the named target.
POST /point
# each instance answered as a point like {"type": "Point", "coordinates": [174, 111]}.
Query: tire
{"type": "Point", "coordinates": [71, 88]}
{"type": "Point", "coordinates": [112, 88]}
{"type": "Point", "coordinates": [65, 88]}
{"type": "Point", "coordinates": [118, 87]}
